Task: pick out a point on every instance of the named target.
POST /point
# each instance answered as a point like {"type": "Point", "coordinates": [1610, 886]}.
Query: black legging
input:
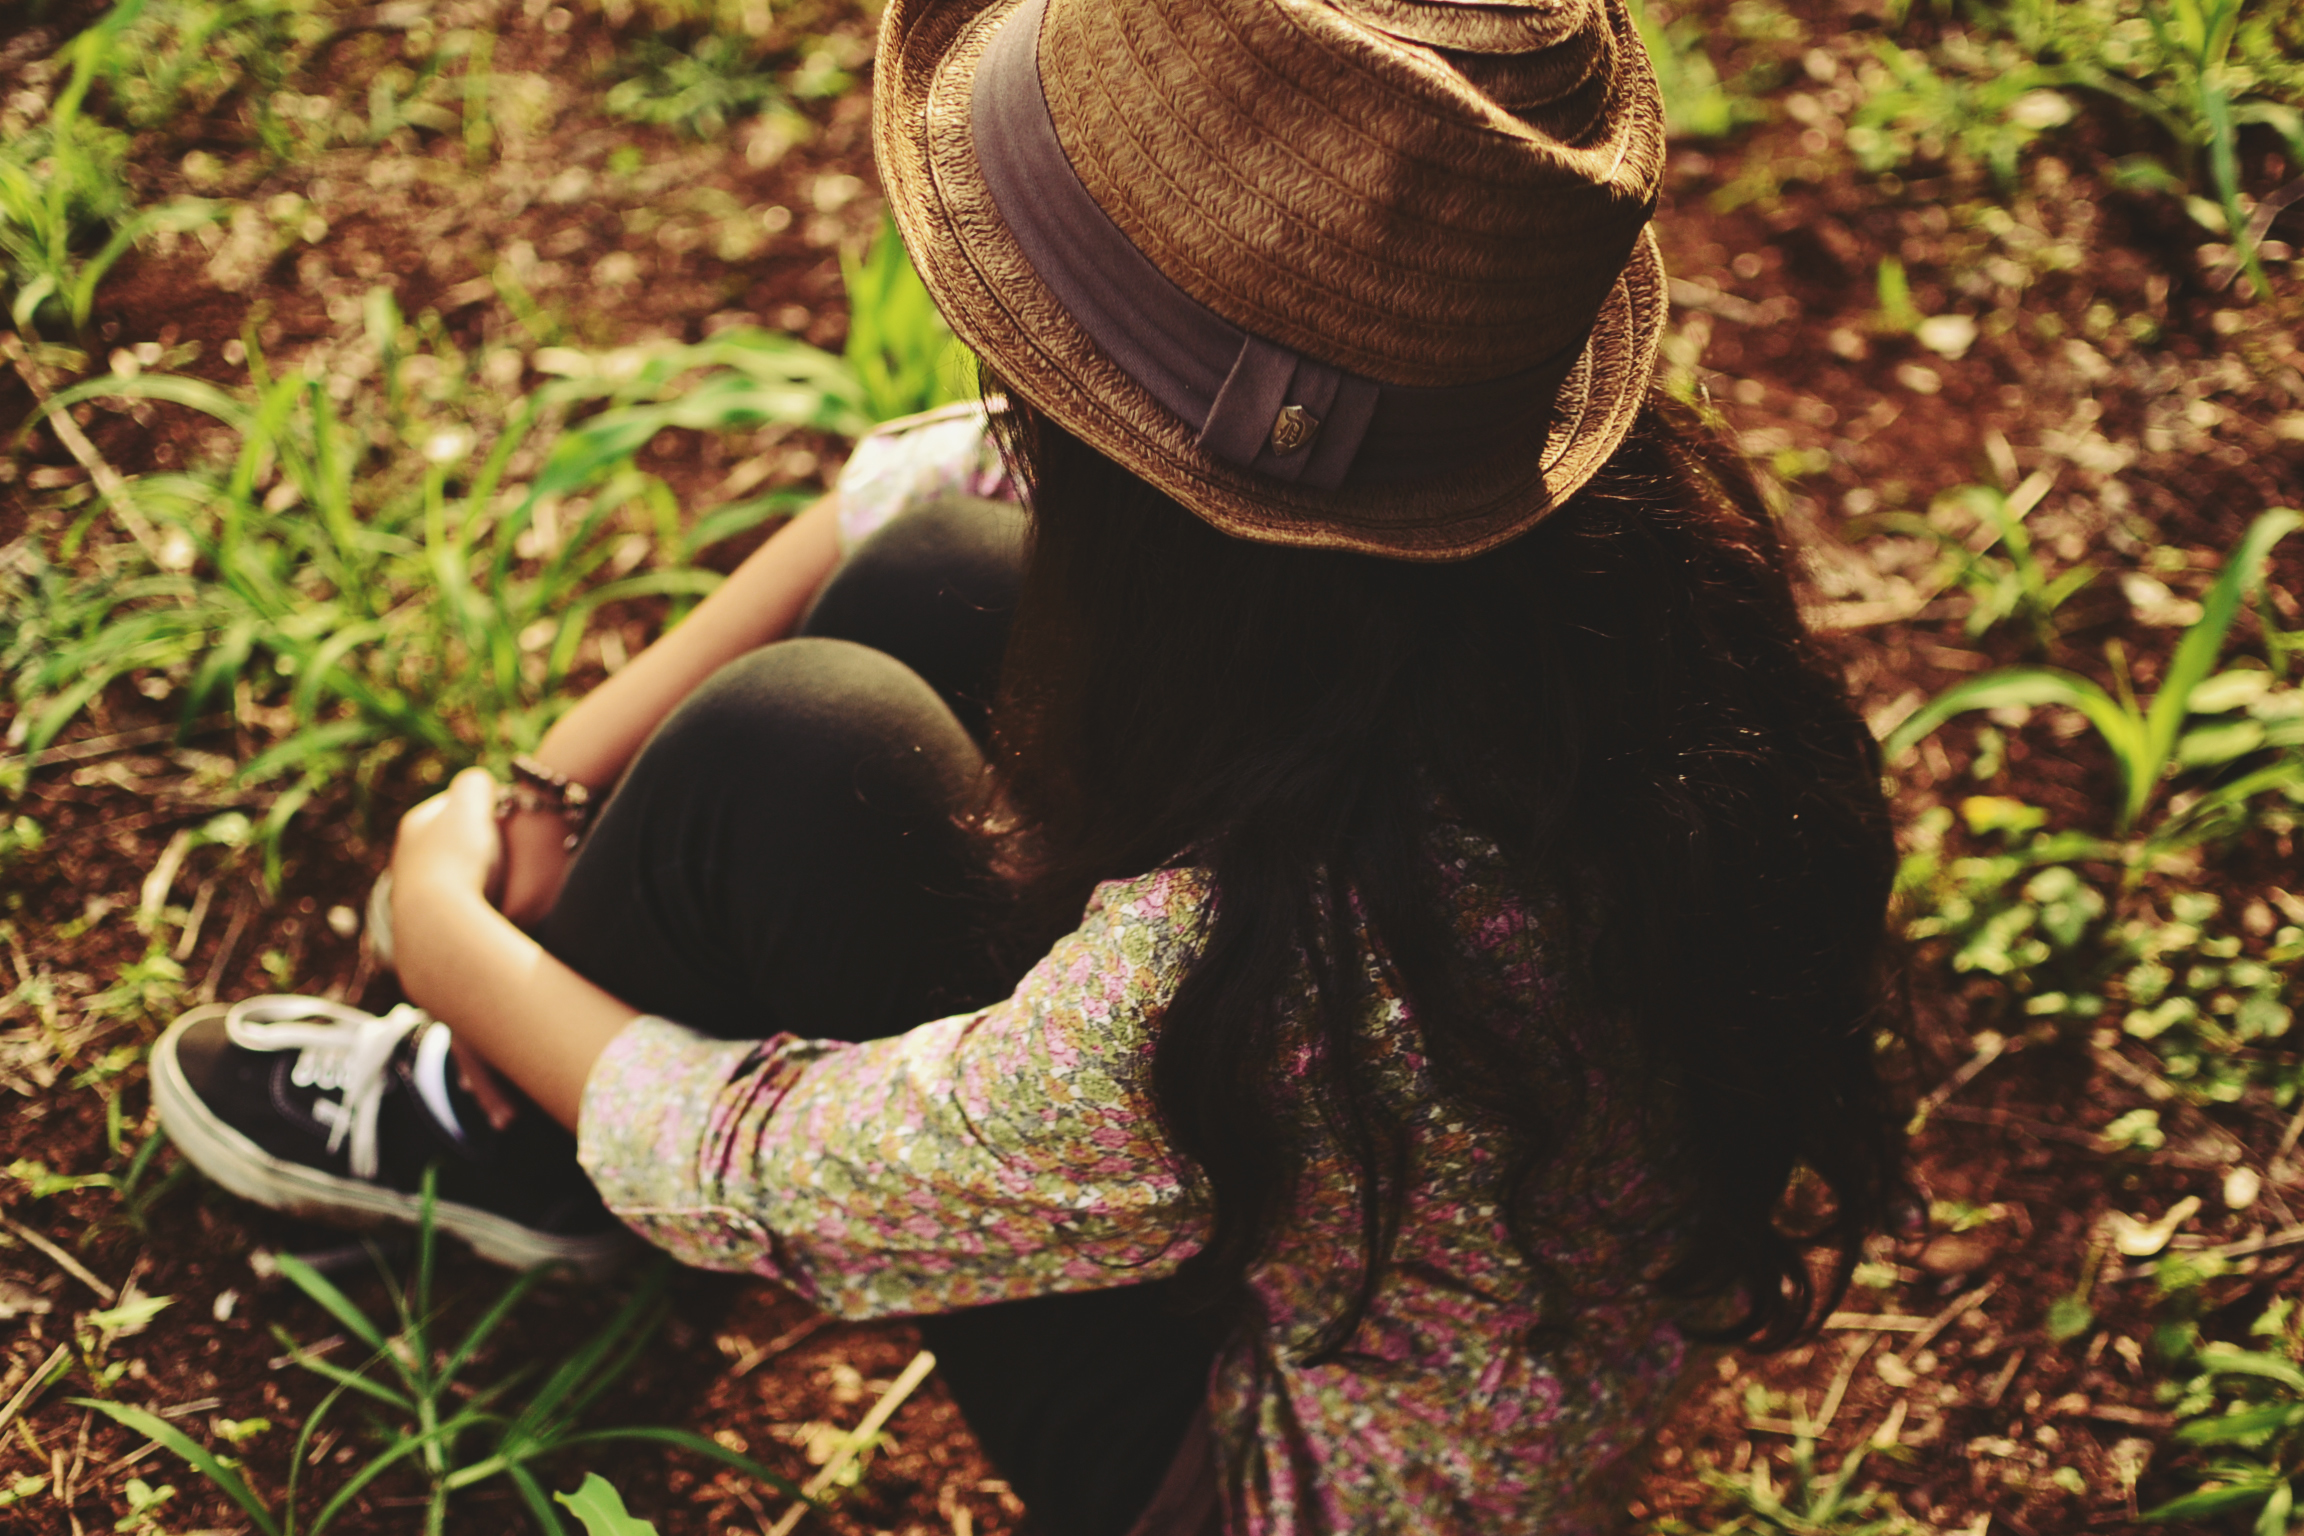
{"type": "Point", "coordinates": [782, 856]}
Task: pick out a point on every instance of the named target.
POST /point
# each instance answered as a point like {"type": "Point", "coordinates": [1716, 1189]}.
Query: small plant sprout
{"type": "Point", "coordinates": [600, 1508]}
{"type": "Point", "coordinates": [1809, 1503]}
{"type": "Point", "coordinates": [1988, 551]}
{"type": "Point", "coordinates": [2195, 722]}
{"type": "Point", "coordinates": [456, 1434]}
{"type": "Point", "coordinates": [2245, 1407]}
{"type": "Point", "coordinates": [61, 187]}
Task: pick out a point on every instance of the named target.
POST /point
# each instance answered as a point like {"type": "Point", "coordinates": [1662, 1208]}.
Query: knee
{"type": "Point", "coordinates": [811, 707]}
{"type": "Point", "coordinates": [956, 547]}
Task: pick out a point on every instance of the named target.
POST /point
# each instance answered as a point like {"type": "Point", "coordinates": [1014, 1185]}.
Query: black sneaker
{"type": "Point", "coordinates": [317, 1109]}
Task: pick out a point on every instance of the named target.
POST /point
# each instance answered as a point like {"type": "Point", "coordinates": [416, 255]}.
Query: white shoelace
{"type": "Point", "coordinates": [340, 1050]}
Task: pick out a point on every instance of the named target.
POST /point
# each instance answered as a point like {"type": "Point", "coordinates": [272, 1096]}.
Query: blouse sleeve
{"type": "Point", "coordinates": [912, 461]}
{"type": "Point", "coordinates": [980, 1158]}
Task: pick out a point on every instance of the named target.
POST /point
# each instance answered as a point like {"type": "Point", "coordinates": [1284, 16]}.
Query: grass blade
{"type": "Point", "coordinates": [201, 1459]}
{"type": "Point", "coordinates": [2008, 688]}
{"type": "Point", "coordinates": [2196, 653]}
{"type": "Point", "coordinates": [338, 1305]}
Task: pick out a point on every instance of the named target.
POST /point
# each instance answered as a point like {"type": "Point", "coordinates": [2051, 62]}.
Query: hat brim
{"type": "Point", "coordinates": [989, 293]}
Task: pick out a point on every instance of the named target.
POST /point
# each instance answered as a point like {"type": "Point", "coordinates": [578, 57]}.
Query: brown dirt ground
{"type": "Point", "coordinates": [2163, 444]}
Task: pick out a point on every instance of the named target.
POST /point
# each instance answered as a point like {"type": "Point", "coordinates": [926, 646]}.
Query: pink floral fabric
{"type": "Point", "coordinates": [913, 460]}
{"type": "Point", "coordinates": [1013, 1152]}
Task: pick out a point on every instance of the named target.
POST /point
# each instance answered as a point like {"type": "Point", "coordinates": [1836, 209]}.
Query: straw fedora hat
{"type": "Point", "coordinates": [1359, 274]}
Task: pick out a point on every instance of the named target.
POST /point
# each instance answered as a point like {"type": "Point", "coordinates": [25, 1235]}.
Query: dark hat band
{"type": "Point", "coordinates": [1259, 406]}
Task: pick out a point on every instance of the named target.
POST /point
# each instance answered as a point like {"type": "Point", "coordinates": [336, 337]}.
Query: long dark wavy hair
{"type": "Point", "coordinates": [1624, 700]}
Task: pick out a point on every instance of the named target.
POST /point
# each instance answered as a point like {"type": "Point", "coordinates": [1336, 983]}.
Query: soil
{"type": "Point", "coordinates": [2165, 407]}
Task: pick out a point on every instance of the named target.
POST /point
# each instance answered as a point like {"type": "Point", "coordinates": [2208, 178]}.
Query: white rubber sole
{"type": "Point", "coordinates": [247, 1170]}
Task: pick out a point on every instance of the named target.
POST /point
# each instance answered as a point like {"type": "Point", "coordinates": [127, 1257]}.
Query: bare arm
{"type": "Point", "coordinates": [762, 601]}
{"type": "Point", "coordinates": [492, 978]}
{"type": "Point", "coordinates": [526, 1013]}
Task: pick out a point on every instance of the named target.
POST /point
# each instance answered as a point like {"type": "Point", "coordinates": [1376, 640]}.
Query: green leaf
{"type": "Point", "coordinates": [339, 1306]}
{"type": "Point", "coordinates": [2196, 653]}
{"type": "Point", "coordinates": [2208, 745]}
{"type": "Point", "coordinates": [2230, 690]}
{"type": "Point", "coordinates": [132, 1316]}
{"type": "Point", "coordinates": [2250, 1424]}
{"type": "Point", "coordinates": [2272, 1520]}
{"type": "Point", "coordinates": [172, 389]}
{"type": "Point", "coordinates": [2242, 1362]}
{"type": "Point", "coordinates": [2069, 1317]}
{"type": "Point", "coordinates": [688, 1440]}
{"type": "Point", "coordinates": [2012, 687]}
{"type": "Point", "coordinates": [2198, 1506]}
{"type": "Point", "coordinates": [601, 1508]}
{"type": "Point", "coordinates": [902, 352]}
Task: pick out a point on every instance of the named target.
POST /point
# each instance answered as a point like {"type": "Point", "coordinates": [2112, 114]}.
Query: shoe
{"type": "Point", "coordinates": [317, 1109]}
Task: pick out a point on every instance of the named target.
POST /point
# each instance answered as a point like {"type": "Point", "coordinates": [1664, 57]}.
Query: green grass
{"type": "Point", "coordinates": [2245, 1407]}
{"type": "Point", "coordinates": [372, 576]}
{"type": "Point", "coordinates": [1697, 104]}
{"type": "Point", "coordinates": [2202, 71]}
{"type": "Point", "coordinates": [66, 211]}
{"type": "Point", "coordinates": [2194, 723]}
{"type": "Point", "coordinates": [2077, 929]}
{"type": "Point", "coordinates": [368, 576]}
{"type": "Point", "coordinates": [699, 89]}
{"type": "Point", "coordinates": [166, 62]}
{"type": "Point", "coordinates": [904, 357]}
{"type": "Point", "coordinates": [1810, 1502]}
{"type": "Point", "coordinates": [1988, 552]}
{"type": "Point", "coordinates": [424, 1413]}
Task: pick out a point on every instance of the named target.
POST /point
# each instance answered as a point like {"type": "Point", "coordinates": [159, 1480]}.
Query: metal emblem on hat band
{"type": "Point", "coordinates": [1293, 429]}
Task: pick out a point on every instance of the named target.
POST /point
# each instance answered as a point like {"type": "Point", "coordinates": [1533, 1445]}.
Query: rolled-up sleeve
{"type": "Point", "coordinates": [984, 1157]}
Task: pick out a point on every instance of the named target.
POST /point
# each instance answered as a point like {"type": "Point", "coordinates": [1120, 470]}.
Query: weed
{"type": "Point", "coordinates": [904, 356]}
{"type": "Point", "coordinates": [2210, 1004]}
{"type": "Point", "coordinates": [137, 1199]}
{"type": "Point", "coordinates": [173, 60]}
{"type": "Point", "coordinates": [2018, 913]}
{"type": "Point", "coordinates": [19, 837]}
{"type": "Point", "coordinates": [1809, 1504]}
{"type": "Point", "coordinates": [388, 603]}
{"type": "Point", "coordinates": [62, 187]}
{"type": "Point", "coordinates": [698, 90]}
{"type": "Point", "coordinates": [1989, 552]}
{"type": "Point", "coordinates": [1979, 102]}
{"type": "Point", "coordinates": [2196, 68]}
{"type": "Point", "coordinates": [2194, 723]}
{"type": "Point", "coordinates": [2199, 69]}
{"type": "Point", "coordinates": [429, 1414]}
{"type": "Point", "coordinates": [2246, 1406]}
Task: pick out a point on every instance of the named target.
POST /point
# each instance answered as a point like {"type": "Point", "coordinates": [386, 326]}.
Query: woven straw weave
{"type": "Point", "coordinates": [1424, 192]}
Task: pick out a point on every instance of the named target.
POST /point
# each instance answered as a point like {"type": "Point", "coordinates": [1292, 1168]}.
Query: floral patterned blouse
{"type": "Point", "coordinates": [1014, 1151]}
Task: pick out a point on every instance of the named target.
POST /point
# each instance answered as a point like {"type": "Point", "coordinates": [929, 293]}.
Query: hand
{"type": "Point", "coordinates": [535, 863]}
{"type": "Point", "coordinates": [449, 845]}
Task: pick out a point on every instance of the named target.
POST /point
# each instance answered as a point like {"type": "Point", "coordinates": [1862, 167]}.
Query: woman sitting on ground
{"type": "Point", "coordinates": [1309, 942]}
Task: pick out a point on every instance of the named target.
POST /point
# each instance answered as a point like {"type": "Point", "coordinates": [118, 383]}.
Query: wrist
{"type": "Point", "coordinates": [536, 788]}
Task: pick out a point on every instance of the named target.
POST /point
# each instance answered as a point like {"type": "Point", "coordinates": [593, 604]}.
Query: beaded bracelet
{"type": "Point", "coordinates": [535, 787]}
